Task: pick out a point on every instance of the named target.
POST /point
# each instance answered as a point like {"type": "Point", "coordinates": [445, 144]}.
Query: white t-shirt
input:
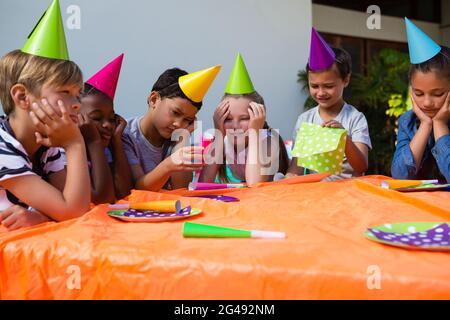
{"type": "Point", "coordinates": [351, 119]}
{"type": "Point", "coordinates": [15, 162]}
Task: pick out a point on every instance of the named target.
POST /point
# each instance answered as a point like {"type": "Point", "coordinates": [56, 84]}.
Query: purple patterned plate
{"type": "Point", "coordinates": [413, 235]}
{"type": "Point", "coordinates": [153, 216]}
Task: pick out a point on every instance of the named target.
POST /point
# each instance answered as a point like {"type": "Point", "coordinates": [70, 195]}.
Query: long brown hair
{"type": "Point", "coordinates": [283, 156]}
{"type": "Point", "coordinates": [440, 64]}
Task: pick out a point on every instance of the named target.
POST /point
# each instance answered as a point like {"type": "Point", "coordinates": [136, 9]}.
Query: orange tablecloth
{"type": "Point", "coordinates": [324, 257]}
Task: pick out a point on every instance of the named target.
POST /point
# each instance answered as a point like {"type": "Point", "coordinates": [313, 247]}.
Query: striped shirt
{"type": "Point", "coordinates": [15, 162]}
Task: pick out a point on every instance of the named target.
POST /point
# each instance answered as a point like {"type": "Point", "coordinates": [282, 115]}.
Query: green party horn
{"type": "Point", "coordinates": [197, 230]}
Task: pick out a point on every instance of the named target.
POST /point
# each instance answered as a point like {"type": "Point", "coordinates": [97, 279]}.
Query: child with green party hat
{"type": "Point", "coordinates": [242, 133]}
{"type": "Point", "coordinates": [174, 101]}
{"type": "Point", "coordinates": [39, 91]}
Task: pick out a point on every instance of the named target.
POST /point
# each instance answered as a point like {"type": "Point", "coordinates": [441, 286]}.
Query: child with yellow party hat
{"type": "Point", "coordinates": [423, 138]}
{"type": "Point", "coordinates": [39, 91]}
{"type": "Point", "coordinates": [173, 103]}
{"type": "Point", "coordinates": [244, 133]}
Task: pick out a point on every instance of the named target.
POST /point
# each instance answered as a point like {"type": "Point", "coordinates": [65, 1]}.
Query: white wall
{"type": "Point", "coordinates": [272, 35]}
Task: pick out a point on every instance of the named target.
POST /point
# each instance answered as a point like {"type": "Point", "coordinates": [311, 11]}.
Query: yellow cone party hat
{"type": "Point", "coordinates": [48, 39]}
{"type": "Point", "coordinates": [195, 85]}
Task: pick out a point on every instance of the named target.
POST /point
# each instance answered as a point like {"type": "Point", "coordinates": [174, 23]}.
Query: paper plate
{"type": "Point", "coordinates": [437, 187]}
{"type": "Point", "coordinates": [133, 215]}
{"type": "Point", "coordinates": [433, 236]}
{"type": "Point", "coordinates": [218, 198]}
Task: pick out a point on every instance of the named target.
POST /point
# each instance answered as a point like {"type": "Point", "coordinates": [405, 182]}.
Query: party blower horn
{"type": "Point", "coordinates": [397, 184]}
{"type": "Point", "coordinates": [214, 186]}
{"type": "Point", "coordinates": [197, 230]}
{"type": "Point", "coordinates": [161, 206]}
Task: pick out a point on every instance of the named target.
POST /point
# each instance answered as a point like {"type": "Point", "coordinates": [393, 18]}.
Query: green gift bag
{"type": "Point", "coordinates": [320, 149]}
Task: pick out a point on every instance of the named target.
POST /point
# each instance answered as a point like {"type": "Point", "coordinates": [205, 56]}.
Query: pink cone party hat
{"type": "Point", "coordinates": [106, 79]}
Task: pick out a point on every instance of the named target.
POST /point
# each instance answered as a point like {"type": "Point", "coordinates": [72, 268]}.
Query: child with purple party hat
{"type": "Point", "coordinates": [329, 72]}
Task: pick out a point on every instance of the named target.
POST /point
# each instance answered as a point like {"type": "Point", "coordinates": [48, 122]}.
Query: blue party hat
{"type": "Point", "coordinates": [421, 46]}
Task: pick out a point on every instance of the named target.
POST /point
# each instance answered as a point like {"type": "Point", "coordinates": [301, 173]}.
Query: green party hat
{"type": "Point", "coordinates": [48, 39]}
{"type": "Point", "coordinates": [239, 82]}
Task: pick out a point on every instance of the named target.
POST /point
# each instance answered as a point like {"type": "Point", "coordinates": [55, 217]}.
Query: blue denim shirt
{"type": "Point", "coordinates": [435, 154]}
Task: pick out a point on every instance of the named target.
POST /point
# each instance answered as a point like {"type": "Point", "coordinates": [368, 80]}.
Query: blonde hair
{"type": "Point", "coordinates": [34, 72]}
{"type": "Point", "coordinates": [283, 156]}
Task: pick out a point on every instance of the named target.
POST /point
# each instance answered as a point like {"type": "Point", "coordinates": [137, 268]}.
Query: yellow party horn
{"type": "Point", "coordinates": [161, 206]}
{"type": "Point", "coordinates": [397, 184]}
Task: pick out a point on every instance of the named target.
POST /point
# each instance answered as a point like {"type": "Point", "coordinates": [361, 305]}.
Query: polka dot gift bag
{"type": "Point", "coordinates": [320, 149]}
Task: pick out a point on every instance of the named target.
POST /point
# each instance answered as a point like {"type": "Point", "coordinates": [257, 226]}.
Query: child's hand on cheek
{"type": "Point", "coordinates": [121, 123]}
{"type": "Point", "coordinates": [53, 130]}
{"type": "Point", "coordinates": [257, 114]}
{"type": "Point", "coordinates": [88, 129]}
{"type": "Point", "coordinates": [423, 118]}
{"type": "Point", "coordinates": [444, 113]}
{"type": "Point", "coordinates": [332, 124]}
{"type": "Point", "coordinates": [220, 115]}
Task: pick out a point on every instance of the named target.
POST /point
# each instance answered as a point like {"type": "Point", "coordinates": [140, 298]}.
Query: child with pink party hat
{"type": "Point", "coordinates": [102, 130]}
{"type": "Point", "coordinates": [329, 72]}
